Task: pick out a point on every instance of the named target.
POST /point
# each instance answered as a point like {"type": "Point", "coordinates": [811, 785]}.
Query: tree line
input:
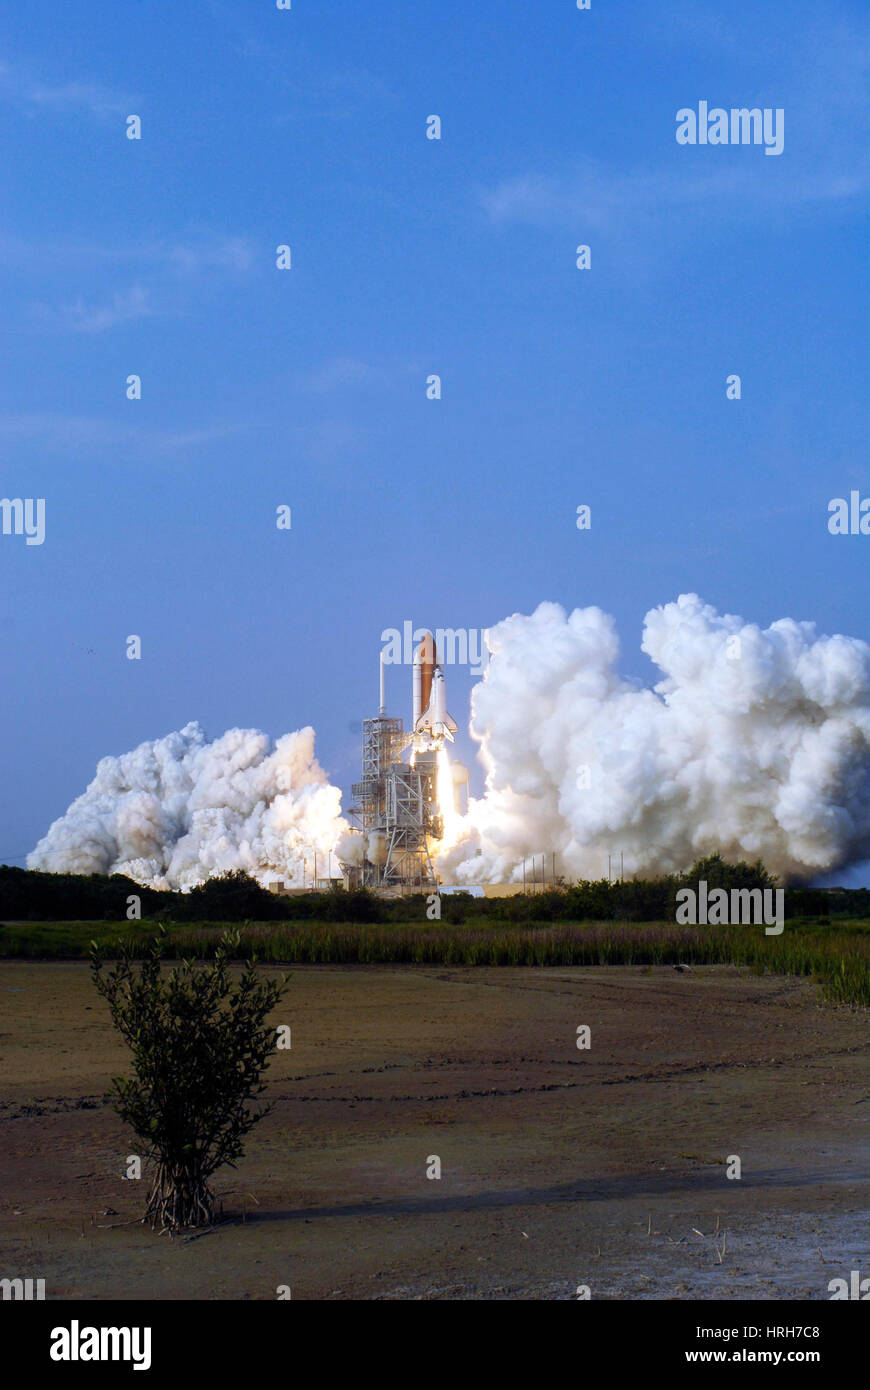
{"type": "Point", "coordinates": [31, 896]}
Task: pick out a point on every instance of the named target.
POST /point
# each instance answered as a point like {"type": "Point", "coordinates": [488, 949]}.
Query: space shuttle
{"type": "Point", "coordinates": [431, 723]}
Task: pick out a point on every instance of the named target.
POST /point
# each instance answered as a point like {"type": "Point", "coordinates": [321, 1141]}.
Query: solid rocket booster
{"type": "Point", "coordinates": [432, 723]}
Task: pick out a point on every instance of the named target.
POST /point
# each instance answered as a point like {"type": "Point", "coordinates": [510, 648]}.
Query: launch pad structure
{"type": "Point", "coordinates": [396, 805]}
{"type": "Point", "coordinates": [396, 809]}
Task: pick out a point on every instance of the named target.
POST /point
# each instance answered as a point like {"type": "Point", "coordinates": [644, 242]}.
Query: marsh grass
{"type": "Point", "coordinates": [835, 955]}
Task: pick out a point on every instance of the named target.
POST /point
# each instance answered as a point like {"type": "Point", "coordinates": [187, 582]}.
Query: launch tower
{"type": "Point", "coordinates": [396, 803]}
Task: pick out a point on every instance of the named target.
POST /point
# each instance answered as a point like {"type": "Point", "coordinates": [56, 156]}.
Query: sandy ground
{"type": "Point", "coordinates": [559, 1167]}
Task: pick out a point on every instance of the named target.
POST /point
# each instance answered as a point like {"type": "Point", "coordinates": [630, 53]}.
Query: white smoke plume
{"type": "Point", "coordinates": [179, 810]}
{"type": "Point", "coordinates": [755, 743]}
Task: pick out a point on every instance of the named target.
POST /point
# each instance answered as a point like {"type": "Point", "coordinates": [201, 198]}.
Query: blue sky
{"type": "Point", "coordinates": [410, 257]}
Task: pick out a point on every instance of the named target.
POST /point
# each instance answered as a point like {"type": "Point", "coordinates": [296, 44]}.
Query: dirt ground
{"type": "Point", "coordinates": [604, 1168]}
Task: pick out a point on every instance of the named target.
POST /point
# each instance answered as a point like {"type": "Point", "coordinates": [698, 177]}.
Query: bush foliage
{"type": "Point", "coordinates": [200, 1047]}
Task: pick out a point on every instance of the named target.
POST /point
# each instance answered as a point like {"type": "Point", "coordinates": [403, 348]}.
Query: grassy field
{"type": "Point", "coordinates": [836, 955]}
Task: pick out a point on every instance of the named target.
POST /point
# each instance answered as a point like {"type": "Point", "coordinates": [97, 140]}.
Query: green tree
{"type": "Point", "coordinates": [200, 1047]}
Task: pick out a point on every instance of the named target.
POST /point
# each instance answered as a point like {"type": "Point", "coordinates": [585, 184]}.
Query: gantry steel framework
{"type": "Point", "coordinates": [396, 808]}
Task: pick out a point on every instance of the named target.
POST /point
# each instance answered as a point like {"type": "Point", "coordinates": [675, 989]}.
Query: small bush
{"type": "Point", "coordinates": [200, 1047]}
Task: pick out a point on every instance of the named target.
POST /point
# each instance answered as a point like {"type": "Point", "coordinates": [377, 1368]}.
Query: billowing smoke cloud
{"type": "Point", "coordinates": [179, 810]}
{"type": "Point", "coordinates": [755, 743]}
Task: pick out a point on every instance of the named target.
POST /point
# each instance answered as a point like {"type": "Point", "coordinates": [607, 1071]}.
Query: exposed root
{"type": "Point", "coordinates": [179, 1201]}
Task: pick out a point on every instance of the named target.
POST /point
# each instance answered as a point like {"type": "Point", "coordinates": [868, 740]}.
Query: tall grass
{"type": "Point", "coordinates": [838, 957]}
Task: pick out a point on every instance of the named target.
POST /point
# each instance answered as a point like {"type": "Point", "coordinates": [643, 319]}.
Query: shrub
{"type": "Point", "coordinates": [200, 1047]}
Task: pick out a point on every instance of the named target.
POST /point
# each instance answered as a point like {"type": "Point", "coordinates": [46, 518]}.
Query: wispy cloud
{"type": "Point", "coordinates": [346, 373]}
{"type": "Point", "coordinates": [209, 253]}
{"type": "Point", "coordinates": [319, 92]}
{"type": "Point", "coordinates": [592, 196]}
{"type": "Point", "coordinates": [185, 256]}
{"type": "Point", "coordinates": [79, 317]}
{"type": "Point", "coordinates": [66, 432]}
{"type": "Point", "coordinates": [167, 272]}
{"type": "Point", "coordinates": [819, 78]}
{"type": "Point", "coordinates": [19, 86]}
{"type": "Point", "coordinates": [81, 96]}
